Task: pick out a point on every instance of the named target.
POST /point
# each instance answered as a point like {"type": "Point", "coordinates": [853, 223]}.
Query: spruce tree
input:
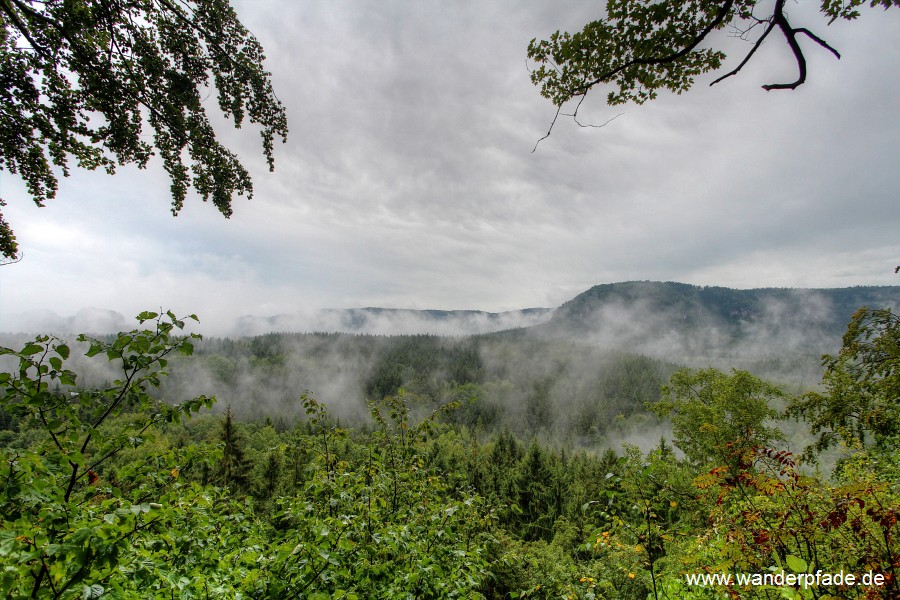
{"type": "Point", "coordinates": [234, 468]}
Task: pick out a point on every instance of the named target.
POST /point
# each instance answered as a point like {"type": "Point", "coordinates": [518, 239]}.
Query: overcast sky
{"type": "Point", "coordinates": [408, 179]}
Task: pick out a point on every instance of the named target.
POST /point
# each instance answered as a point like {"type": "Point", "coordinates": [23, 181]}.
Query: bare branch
{"type": "Point", "coordinates": [743, 34]}
{"type": "Point", "coordinates": [11, 260]}
{"type": "Point", "coordinates": [574, 115]}
{"type": "Point", "coordinates": [604, 124]}
{"type": "Point", "coordinates": [790, 35]}
{"type": "Point", "coordinates": [747, 58]}
{"type": "Point", "coordinates": [818, 40]}
{"type": "Point", "coordinates": [549, 131]}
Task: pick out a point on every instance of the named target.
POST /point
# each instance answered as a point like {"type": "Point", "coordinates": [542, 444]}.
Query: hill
{"type": "Point", "coordinates": [686, 322]}
{"type": "Point", "coordinates": [392, 321]}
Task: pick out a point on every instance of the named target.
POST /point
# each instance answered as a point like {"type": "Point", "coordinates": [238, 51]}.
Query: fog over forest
{"type": "Point", "coordinates": [582, 372]}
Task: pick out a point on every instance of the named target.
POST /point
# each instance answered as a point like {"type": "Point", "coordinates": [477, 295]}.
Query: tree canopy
{"type": "Point", "coordinates": [861, 386]}
{"type": "Point", "coordinates": [81, 80]}
{"type": "Point", "coordinates": [643, 46]}
{"type": "Point", "coordinates": [107, 490]}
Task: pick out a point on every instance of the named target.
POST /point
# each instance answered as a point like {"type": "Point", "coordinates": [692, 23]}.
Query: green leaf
{"type": "Point", "coordinates": [31, 349]}
{"type": "Point", "coordinates": [7, 542]}
{"type": "Point", "coordinates": [795, 563]}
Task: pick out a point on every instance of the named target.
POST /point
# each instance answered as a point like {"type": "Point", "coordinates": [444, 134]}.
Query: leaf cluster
{"type": "Point", "coordinates": [81, 81]}
{"type": "Point", "coordinates": [639, 48]}
{"type": "Point", "coordinates": [61, 526]}
{"type": "Point", "coordinates": [862, 383]}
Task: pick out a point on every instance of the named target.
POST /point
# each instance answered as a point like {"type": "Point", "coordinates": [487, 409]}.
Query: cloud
{"type": "Point", "coordinates": [377, 321]}
{"type": "Point", "coordinates": [408, 179]}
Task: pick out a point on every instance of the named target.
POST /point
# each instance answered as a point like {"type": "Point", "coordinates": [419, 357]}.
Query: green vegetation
{"type": "Point", "coordinates": [83, 80]}
{"type": "Point", "coordinates": [108, 492]}
{"type": "Point", "coordinates": [642, 47]}
{"type": "Point", "coordinates": [479, 471]}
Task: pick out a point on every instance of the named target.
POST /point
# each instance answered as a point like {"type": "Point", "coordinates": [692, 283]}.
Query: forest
{"type": "Point", "coordinates": [681, 452]}
{"type": "Point", "coordinates": [495, 466]}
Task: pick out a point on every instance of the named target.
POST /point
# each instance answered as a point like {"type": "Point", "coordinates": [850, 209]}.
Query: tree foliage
{"type": "Point", "coordinates": [64, 528]}
{"type": "Point", "coordinates": [715, 415]}
{"type": "Point", "coordinates": [82, 80]}
{"type": "Point", "coordinates": [644, 46]}
{"type": "Point", "coordinates": [859, 406]}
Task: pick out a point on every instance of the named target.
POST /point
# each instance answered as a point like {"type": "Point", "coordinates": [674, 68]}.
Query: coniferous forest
{"type": "Point", "coordinates": [489, 467]}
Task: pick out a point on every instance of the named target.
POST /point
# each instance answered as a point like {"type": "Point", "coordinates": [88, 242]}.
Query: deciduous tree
{"type": "Point", "coordinates": [716, 416]}
{"type": "Point", "coordinates": [81, 81]}
{"type": "Point", "coordinates": [862, 383]}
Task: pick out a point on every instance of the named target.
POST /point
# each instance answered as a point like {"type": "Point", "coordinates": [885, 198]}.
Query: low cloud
{"type": "Point", "coordinates": [370, 321]}
{"type": "Point", "coordinates": [385, 321]}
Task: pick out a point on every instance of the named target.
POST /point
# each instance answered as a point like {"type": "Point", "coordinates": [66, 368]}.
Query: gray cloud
{"type": "Point", "coordinates": [408, 179]}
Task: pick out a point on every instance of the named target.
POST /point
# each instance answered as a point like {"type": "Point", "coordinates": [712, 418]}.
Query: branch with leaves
{"type": "Point", "coordinates": [83, 79]}
{"type": "Point", "coordinates": [65, 527]}
{"type": "Point", "coordinates": [644, 46]}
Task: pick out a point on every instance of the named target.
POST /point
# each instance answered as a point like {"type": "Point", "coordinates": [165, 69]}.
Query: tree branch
{"type": "Point", "coordinates": [818, 40]}
{"type": "Point", "coordinates": [720, 17]}
{"type": "Point", "coordinates": [583, 89]}
{"type": "Point", "coordinates": [550, 130]}
{"type": "Point", "coordinates": [790, 34]}
{"type": "Point", "coordinates": [791, 38]}
{"type": "Point", "coordinates": [747, 58]}
{"type": "Point", "coordinates": [8, 9]}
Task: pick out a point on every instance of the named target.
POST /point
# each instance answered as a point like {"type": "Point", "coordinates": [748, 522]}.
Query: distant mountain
{"type": "Point", "coordinates": [674, 321]}
{"type": "Point", "coordinates": [393, 321]}
{"type": "Point", "coordinates": [681, 321]}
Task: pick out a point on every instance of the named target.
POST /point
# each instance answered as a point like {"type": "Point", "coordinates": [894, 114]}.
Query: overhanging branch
{"type": "Point", "coordinates": [750, 54]}
{"type": "Point", "coordinates": [790, 34]}
{"type": "Point", "coordinates": [10, 12]}
{"type": "Point", "coordinates": [660, 60]}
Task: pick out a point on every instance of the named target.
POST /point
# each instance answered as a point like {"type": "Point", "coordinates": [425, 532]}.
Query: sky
{"type": "Point", "coordinates": [408, 179]}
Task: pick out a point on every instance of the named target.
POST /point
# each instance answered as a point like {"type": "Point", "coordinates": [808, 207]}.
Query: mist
{"type": "Point", "coordinates": [370, 320]}
{"type": "Point", "coordinates": [582, 374]}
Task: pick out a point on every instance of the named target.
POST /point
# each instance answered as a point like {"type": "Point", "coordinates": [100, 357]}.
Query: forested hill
{"type": "Point", "coordinates": [645, 316]}
{"type": "Point", "coordinates": [392, 321]}
{"type": "Point", "coordinates": [641, 315]}
{"type": "Point", "coordinates": [679, 320]}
